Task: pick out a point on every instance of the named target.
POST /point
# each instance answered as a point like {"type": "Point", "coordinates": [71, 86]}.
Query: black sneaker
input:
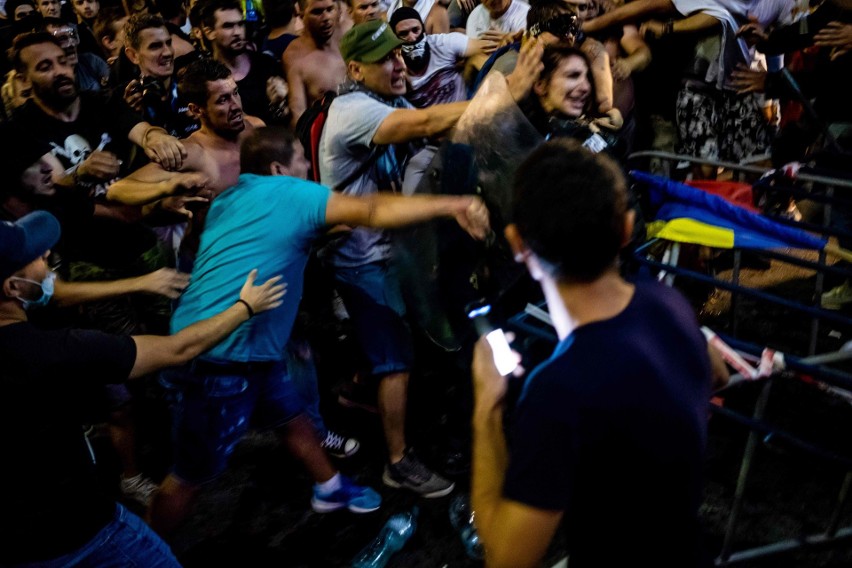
{"type": "Point", "coordinates": [412, 474]}
{"type": "Point", "coordinates": [340, 446]}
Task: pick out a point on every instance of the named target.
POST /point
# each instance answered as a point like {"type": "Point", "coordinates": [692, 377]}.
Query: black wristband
{"type": "Point", "coordinates": [248, 307]}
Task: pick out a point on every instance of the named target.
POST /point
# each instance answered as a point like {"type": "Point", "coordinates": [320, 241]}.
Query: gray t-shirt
{"type": "Point", "coordinates": [346, 143]}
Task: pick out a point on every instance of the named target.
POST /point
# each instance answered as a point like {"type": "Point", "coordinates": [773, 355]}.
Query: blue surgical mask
{"type": "Point", "coordinates": [46, 285]}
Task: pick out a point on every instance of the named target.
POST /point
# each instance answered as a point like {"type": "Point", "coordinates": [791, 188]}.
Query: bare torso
{"type": "Point", "coordinates": [312, 71]}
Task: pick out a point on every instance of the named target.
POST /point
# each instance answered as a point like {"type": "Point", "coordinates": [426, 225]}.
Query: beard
{"type": "Point", "coordinates": [53, 95]}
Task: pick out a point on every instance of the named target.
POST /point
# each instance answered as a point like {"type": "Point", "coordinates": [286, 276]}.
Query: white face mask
{"type": "Point", "coordinates": [47, 286]}
{"type": "Point", "coordinates": [416, 55]}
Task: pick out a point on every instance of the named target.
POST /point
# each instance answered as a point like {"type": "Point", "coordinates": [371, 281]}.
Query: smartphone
{"type": "Point", "coordinates": [505, 361]}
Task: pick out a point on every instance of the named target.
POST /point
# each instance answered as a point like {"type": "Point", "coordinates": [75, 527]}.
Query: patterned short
{"type": "Point", "coordinates": [720, 125]}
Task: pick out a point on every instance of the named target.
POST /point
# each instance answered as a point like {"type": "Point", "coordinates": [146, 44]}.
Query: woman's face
{"type": "Point", "coordinates": [567, 90]}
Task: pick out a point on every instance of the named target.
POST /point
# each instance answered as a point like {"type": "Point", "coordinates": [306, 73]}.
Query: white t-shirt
{"type": "Point", "coordinates": [514, 20]}
{"type": "Point", "coordinates": [423, 7]}
{"type": "Point", "coordinates": [441, 82]}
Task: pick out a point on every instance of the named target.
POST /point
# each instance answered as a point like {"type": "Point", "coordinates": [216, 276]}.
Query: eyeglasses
{"type": "Point", "coordinates": [67, 36]}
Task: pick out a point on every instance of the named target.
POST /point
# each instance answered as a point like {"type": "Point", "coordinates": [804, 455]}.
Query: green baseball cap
{"type": "Point", "coordinates": [368, 42]}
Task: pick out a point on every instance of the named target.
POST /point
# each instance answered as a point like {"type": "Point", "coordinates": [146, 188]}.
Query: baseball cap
{"type": "Point", "coordinates": [26, 239]}
{"type": "Point", "coordinates": [368, 42]}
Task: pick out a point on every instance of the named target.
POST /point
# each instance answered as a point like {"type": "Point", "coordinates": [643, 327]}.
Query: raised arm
{"type": "Point", "coordinates": [154, 352]}
{"type": "Point", "coordinates": [513, 534]}
{"type": "Point", "coordinates": [601, 72]}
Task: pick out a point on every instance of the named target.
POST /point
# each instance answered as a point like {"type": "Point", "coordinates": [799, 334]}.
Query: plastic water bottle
{"type": "Point", "coordinates": [461, 517]}
{"type": "Point", "coordinates": [251, 11]}
{"type": "Point", "coordinates": [393, 536]}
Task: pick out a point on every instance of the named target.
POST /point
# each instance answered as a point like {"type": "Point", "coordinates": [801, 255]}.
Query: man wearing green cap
{"type": "Point", "coordinates": [372, 130]}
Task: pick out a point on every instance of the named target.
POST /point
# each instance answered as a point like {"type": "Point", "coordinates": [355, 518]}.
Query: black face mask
{"type": "Point", "coordinates": [416, 55]}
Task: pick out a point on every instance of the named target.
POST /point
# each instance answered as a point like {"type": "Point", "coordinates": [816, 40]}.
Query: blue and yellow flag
{"type": "Point", "coordinates": [689, 215]}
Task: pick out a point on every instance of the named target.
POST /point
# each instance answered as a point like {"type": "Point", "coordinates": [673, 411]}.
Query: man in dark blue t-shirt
{"type": "Point", "coordinates": [608, 434]}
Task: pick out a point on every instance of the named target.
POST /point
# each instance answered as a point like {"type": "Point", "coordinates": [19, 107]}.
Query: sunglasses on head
{"type": "Point", "coordinates": [564, 25]}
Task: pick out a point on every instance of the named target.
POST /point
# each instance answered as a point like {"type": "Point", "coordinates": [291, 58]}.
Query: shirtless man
{"type": "Point", "coordinates": [212, 162]}
{"type": "Point", "coordinates": [312, 62]}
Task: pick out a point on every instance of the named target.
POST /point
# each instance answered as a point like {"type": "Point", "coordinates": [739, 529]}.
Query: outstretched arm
{"type": "Point", "coordinates": [386, 211]}
{"type": "Point", "coordinates": [165, 281]}
{"type": "Point", "coordinates": [154, 352]}
{"type": "Point", "coordinates": [627, 13]}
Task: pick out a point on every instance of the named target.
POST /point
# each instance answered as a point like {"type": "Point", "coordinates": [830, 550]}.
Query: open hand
{"type": "Point", "coordinates": [178, 204]}
{"type": "Point", "coordinates": [837, 36]}
{"type": "Point", "coordinates": [266, 296]}
{"type": "Point", "coordinates": [746, 80]}
{"type": "Point", "coordinates": [165, 282]}
{"type": "Point", "coordinates": [527, 70]}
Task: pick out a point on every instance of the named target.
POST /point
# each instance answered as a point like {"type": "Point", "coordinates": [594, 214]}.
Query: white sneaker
{"type": "Point", "coordinates": [340, 446]}
{"type": "Point", "coordinates": [138, 488]}
{"type": "Point", "coordinates": [837, 297]}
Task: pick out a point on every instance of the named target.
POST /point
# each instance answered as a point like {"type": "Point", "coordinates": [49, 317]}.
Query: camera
{"type": "Point", "coordinates": [504, 359]}
{"type": "Point", "coordinates": [152, 89]}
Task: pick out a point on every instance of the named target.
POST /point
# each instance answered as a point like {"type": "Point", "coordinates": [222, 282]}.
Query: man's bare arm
{"type": "Point", "coordinates": [165, 281]}
{"type": "Point", "coordinates": [298, 96]}
{"type": "Point", "coordinates": [154, 352]}
{"type": "Point", "coordinates": [386, 211]}
{"type": "Point", "coordinates": [152, 182]}
{"type": "Point", "coordinates": [513, 534]}
{"type": "Point", "coordinates": [404, 125]}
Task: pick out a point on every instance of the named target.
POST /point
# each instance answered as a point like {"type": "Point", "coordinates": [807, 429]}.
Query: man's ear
{"type": "Point", "coordinates": [516, 242]}
{"type": "Point", "coordinates": [540, 87]}
{"type": "Point", "coordinates": [132, 55]}
{"type": "Point", "coordinates": [356, 71]}
{"type": "Point", "coordinates": [277, 169]}
{"type": "Point", "coordinates": [9, 287]}
{"type": "Point", "coordinates": [194, 110]}
{"type": "Point", "coordinates": [209, 33]}
{"type": "Point", "coordinates": [629, 222]}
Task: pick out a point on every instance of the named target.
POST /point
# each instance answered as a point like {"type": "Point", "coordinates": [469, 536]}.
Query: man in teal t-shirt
{"type": "Point", "coordinates": [268, 221]}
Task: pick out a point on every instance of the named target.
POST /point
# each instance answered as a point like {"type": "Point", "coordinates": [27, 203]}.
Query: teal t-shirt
{"type": "Point", "coordinates": [263, 222]}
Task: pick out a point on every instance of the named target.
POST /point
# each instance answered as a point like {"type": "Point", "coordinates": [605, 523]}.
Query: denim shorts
{"type": "Point", "coordinates": [213, 407]}
{"type": "Point", "coordinates": [374, 302]}
{"type": "Point", "coordinates": [126, 541]}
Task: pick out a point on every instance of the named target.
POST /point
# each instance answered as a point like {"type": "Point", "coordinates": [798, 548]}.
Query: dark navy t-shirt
{"type": "Point", "coordinates": [611, 430]}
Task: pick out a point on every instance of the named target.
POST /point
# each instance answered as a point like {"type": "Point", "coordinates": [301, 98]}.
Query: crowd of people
{"type": "Point", "coordinates": [177, 177]}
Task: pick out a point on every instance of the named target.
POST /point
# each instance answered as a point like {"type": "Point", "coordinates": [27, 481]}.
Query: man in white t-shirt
{"type": "Point", "coordinates": [505, 16]}
{"type": "Point", "coordinates": [432, 60]}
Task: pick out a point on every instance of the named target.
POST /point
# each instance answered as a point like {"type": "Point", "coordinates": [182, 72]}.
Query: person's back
{"type": "Point", "coordinates": [624, 401]}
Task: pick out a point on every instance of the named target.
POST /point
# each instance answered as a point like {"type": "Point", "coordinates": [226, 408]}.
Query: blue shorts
{"type": "Point", "coordinates": [374, 301]}
{"type": "Point", "coordinates": [126, 541]}
{"type": "Point", "coordinates": [214, 405]}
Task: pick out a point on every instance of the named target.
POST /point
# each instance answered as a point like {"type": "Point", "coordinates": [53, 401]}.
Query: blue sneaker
{"type": "Point", "coordinates": [356, 498]}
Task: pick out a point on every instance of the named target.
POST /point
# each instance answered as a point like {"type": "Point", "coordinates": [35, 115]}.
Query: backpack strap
{"type": "Point", "coordinates": [377, 153]}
